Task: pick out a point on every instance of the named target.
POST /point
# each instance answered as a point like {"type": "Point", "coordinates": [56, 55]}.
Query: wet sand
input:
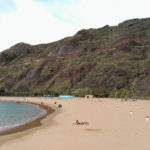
{"type": "Point", "coordinates": [112, 126]}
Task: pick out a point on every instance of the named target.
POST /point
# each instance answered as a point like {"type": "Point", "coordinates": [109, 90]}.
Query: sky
{"type": "Point", "coordinates": [45, 21]}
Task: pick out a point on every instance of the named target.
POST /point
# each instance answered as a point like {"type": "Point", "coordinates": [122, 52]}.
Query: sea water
{"type": "Point", "coordinates": [14, 114]}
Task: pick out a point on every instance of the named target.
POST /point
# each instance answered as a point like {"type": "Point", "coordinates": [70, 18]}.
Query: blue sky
{"type": "Point", "coordinates": [44, 21]}
{"type": "Point", "coordinates": [7, 6]}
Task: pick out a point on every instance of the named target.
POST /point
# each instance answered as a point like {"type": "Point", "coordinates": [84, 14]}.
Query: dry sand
{"type": "Point", "coordinates": [111, 127]}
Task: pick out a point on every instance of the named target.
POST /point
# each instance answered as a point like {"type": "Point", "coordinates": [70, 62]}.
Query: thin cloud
{"type": "Point", "coordinates": [32, 23]}
{"type": "Point", "coordinates": [44, 21]}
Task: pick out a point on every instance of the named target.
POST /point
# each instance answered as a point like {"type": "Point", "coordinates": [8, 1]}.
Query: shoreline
{"type": "Point", "coordinates": [29, 125]}
{"type": "Point", "coordinates": [111, 126]}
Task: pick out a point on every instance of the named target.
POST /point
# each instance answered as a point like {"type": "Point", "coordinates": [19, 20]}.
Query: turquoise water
{"type": "Point", "coordinates": [13, 114]}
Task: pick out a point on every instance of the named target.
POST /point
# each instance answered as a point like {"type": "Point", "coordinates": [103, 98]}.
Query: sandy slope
{"type": "Point", "coordinates": [111, 127]}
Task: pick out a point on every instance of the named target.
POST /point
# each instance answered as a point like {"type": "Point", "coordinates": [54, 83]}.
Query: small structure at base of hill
{"type": "Point", "coordinates": [89, 96]}
{"type": "Point", "coordinates": [47, 95]}
{"type": "Point", "coordinates": [66, 96]}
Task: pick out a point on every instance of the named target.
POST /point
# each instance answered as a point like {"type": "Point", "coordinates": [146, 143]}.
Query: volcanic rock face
{"type": "Point", "coordinates": [109, 57]}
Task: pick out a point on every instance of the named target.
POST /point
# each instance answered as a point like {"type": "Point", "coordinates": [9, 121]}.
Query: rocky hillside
{"type": "Point", "coordinates": [105, 58]}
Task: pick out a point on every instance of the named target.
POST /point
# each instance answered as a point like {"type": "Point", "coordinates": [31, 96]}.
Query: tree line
{"type": "Point", "coordinates": [123, 93]}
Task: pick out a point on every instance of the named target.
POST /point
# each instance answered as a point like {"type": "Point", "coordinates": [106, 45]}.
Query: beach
{"type": "Point", "coordinates": [112, 125]}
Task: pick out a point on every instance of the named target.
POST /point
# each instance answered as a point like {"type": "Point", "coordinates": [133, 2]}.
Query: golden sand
{"type": "Point", "coordinates": [112, 126]}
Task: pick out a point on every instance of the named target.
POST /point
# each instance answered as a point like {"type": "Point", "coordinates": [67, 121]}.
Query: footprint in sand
{"type": "Point", "coordinates": [117, 107]}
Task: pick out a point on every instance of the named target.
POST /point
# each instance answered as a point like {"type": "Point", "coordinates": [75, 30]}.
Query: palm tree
{"type": "Point", "coordinates": [121, 93]}
{"type": "Point", "coordinates": [133, 91]}
{"type": "Point", "coordinates": [124, 93]}
{"type": "Point", "coordinates": [115, 91]}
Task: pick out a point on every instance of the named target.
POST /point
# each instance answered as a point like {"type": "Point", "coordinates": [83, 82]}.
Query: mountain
{"type": "Point", "coordinates": [105, 58]}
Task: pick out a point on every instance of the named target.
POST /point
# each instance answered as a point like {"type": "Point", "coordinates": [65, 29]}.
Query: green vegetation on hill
{"type": "Point", "coordinates": [94, 61]}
